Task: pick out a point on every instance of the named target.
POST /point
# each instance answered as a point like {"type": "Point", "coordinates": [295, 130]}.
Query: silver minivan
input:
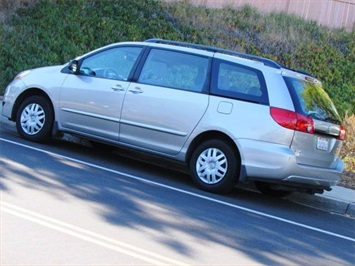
{"type": "Point", "coordinates": [231, 117]}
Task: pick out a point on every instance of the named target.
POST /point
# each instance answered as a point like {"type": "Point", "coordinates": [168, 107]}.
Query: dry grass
{"type": "Point", "coordinates": [8, 7]}
{"type": "Point", "coordinates": [348, 153]}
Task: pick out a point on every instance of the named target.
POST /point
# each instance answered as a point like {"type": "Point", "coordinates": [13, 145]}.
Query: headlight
{"type": "Point", "coordinates": [22, 74]}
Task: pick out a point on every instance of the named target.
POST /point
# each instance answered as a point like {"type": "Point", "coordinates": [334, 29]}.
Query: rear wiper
{"type": "Point", "coordinates": [332, 120]}
{"type": "Point", "coordinates": [316, 115]}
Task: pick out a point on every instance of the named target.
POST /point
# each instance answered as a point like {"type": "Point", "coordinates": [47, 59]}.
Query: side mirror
{"type": "Point", "coordinates": [74, 66]}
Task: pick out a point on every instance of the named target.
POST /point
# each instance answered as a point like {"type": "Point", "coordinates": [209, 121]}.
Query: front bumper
{"type": "Point", "coordinates": [12, 92]}
{"type": "Point", "coordinates": [6, 109]}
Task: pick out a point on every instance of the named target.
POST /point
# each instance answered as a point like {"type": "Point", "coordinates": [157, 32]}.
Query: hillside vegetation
{"type": "Point", "coordinates": [55, 31]}
{"type": "Point", "coordinates": [36, 33]}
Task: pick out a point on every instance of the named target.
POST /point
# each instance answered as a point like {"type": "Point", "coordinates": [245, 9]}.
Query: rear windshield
{"type": "Point", "coordinates": [311, 100]}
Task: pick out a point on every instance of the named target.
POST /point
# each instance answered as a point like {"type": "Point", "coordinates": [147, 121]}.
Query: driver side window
{"type": "Point", "coordinates": [115, 63]}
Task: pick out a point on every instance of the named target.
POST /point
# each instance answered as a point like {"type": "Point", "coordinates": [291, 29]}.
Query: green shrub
{"type": "Point", "coordinates": [55, 31]}
{"type": "Point", "coordinates": [49, 32]}
{"type": "Point", "coordinates": [328, 54]}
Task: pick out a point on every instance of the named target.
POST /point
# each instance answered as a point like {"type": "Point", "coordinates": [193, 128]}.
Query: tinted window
{"type": "Point", "coordinates": [115, 63]}
{"type": "Point", "coordinates": [310, 99]}
{"type": "Point", "coordinates": [175, 70]}
{"type": "Point", "coordinates": [239, 82]}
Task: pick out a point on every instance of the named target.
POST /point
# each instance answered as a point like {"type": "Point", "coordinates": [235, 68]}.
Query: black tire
{"type": "Point", "coordinates": [214, 166]}
{"type": "Point", "coordinates": [34, 119]}
{"type": "Point", "coordinates": [266, 189]}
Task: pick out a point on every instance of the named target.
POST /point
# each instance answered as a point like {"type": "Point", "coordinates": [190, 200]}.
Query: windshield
{"type": "Point", "coordinates": [311, 100]}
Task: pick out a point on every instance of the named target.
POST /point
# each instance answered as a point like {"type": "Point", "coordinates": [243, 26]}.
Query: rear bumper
{"type": "Point", "coordinates": [277, 163]}
{"type": "Point", "coordinates": [319, 177]}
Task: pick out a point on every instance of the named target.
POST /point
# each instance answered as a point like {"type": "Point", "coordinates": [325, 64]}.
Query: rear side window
{"type": "Point", "coordinates": [238, 82]}
{"type": "Point", "coordinates": [175, 70]}
{"type": "Point", "coordinates": [311, 100]}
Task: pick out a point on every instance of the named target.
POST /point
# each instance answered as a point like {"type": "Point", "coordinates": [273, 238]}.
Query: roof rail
{"type": "Point", "coordinates": [267, 62]}
{"type": "Point", "coordinates": [300, 71]}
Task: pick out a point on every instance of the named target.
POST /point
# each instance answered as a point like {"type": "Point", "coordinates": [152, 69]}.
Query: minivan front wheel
{"type": "Point", "coordinates": [34, 119]}
{"type": "Point", "coordinates": [214, 166]}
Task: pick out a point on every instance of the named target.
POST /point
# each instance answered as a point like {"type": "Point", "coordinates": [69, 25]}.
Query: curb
{"type": "Point", "coordinates": [325, 202]}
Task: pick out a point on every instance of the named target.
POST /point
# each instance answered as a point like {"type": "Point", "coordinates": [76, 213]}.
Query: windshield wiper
{"type": "Point", "coordinates": [332, 120]}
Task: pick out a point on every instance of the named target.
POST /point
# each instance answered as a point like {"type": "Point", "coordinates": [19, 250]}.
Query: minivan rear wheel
{"type": "Point", "coordinates": [214, 166]}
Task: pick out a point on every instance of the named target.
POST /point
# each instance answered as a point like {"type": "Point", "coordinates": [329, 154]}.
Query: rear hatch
{"type": "Point", "coordinates": [319, 145]}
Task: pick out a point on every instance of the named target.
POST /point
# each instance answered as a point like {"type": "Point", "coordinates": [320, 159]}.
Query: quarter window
{"type": "Point", "coordinates": [238, 82]}
{"type": "Point", "coordinates": [175, 70]}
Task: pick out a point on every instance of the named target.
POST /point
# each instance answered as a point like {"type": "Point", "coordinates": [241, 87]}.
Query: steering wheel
{"type": "Point", "coordinates": [110, 73]}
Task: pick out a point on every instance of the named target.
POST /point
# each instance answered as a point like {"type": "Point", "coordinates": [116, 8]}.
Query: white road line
{"type": "Point", "coordinates": [89, 236]}
{"type": "Point", "coordinates": [183, 191]}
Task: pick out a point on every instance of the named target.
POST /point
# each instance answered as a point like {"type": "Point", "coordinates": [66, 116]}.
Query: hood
{"type": "Point", "coordinates": [45, 77]}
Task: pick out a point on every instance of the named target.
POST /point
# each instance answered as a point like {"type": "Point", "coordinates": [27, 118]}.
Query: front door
{"type": "Point", "coordinates": [91, 102]}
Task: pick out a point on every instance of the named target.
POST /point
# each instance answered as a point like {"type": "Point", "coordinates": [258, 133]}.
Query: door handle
{"type": "Point", "coordinates": [118, 88]}
{"type": "Point", "coordinates": [136, 90]}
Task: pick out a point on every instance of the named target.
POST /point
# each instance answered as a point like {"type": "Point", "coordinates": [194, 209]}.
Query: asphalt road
{"type": "Point", "coordinates": [68, 204]}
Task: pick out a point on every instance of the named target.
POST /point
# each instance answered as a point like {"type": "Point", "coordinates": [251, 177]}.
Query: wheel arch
{"type": "Point", "coordinates": [210, 135]}
{"type": "Point", "coordinates": [27, 93]}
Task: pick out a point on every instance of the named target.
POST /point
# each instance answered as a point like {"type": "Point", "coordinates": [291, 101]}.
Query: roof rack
{"type": "Point", "coordinates": [300, 71]}
{"type": "Point", "coordinates": [267, 62]}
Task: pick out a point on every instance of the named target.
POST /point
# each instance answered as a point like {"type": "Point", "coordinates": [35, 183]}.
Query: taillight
{"type": "Point", "coordinates": [292, 120]}
{"type": "Point", "coordinates": [342, 133]}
